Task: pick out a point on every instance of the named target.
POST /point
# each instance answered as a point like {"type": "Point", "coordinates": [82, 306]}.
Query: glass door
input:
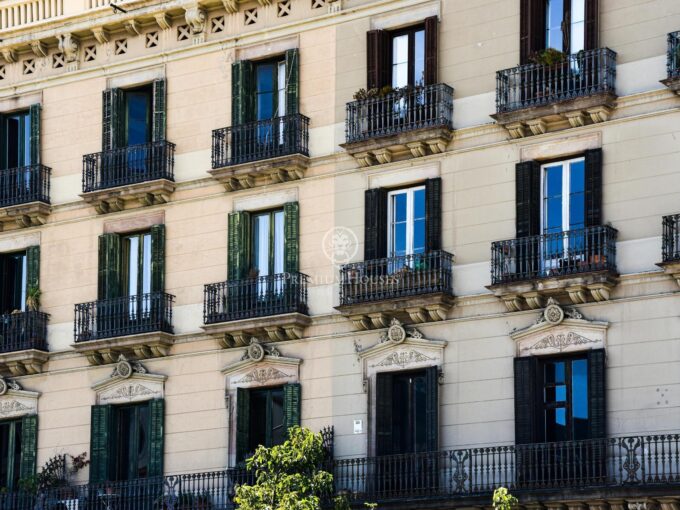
{"type": "Point", "coordinates": [137, 277]}
{"type": "Point", "coordinates": [268, 252]}
{"type": "Point", "coordinates": [406, 227]}
{"type": "Point", "coordinates": [13, 282]}
{"type": "Point", "coordinates": [138, 128]}
{"type": "Point", "coordinates": [17, 127]}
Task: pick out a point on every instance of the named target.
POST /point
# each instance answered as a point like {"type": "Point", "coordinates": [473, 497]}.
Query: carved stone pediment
{"type": "Point", "coordinates": [560, 330]}
{"type": "Point", "coordinates": [261, 366]}
{"type": "Point", "coordinates": [129, 382]}
{"type": "Point", "coordinates": [15, 401]}
{"type": "Point", "coordinates": [401, 348]}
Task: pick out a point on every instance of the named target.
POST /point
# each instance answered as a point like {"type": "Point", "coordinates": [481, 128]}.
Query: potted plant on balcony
{"type": "Point", "coordinates": [550, 64]}
{"type": "Point", "coordinates": [33, 298]}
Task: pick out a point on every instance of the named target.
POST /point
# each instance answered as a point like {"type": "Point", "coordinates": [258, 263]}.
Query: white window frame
{"type": "Point", "coordinates": [409, 192]}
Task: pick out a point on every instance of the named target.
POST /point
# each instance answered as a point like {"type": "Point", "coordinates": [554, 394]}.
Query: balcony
{"type": "Point", "coordinates": [416, 288]}
{"type": "Point", "coordinates": [23, 342]}
{"type": "Point", "coordinates": [577, 263]}
{"type": "Point", "coordinates": [406, 123]}
{"type": "Point", "coordinates": [24, 196]}
{"type": "Point", "coordinates": [261, 152]}
{"type": "Point", "coordinates": [274, 305]}
{"type": "Point", "coordinates": [670, 246]}
{"type": "Point", "coordinates": [672, 81]}
{"type": "Point", "coordinates": [621, 467]}
{"type": "Point", "coordinates": [138, 326]}
{"type": "Point", "coordinates": [535, 99]}
{"type": "Point", "coordinates": [133, 176]}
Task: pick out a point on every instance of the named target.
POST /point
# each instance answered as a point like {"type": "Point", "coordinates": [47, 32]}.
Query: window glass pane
{"type": "Point", "coordinates": [419, 63]}
{"type": "Point", "coordinates": [23, 281]}
{"type": "Point", "coordinates": [278, 433]}
{"type": "Point", "coordinates": [124, 433]}
{"type": "Point", "coordinates": [556, 425]}
{"type": "Point", "coordinates": [138, 114]}
{"type": "Point", "coordinates": [4, 454]}
{"type": "Point", "coordinates": [146, 264]}
{"type": "Point", "coordinates": [578, 16]}
{"type": "Point", "coordinates": [400, 61]}
{"type": "Point", "coordinates": [278, 242]}
{"type": "Point", "coordinates": [419, 204]}
{"type": "Point", "coordinates": [258, 419]}
{"type": "Point", "coordinates": [142, 453]}
{"type": "Point", "coordinates": [400, 414]}
{"type": "Point", "coordinates": [265, 91]}
{"type": "Point", "coordinates": [26, 159]}
{"type": "Point", "coordinates": [17, 453]}
{"type": "Point", "coordinates": [577, 206]}
{"type": "Point", "coordinates": [133, 265]}
{"type": "Point", "coordinates": [261, 247]}
{"type": "Point", "coordinates": [399, 240]}
{"type": "Point", "coordinates": [552, 205]}
{"type": "Point", "coordinates": [554, 17]}
{"type": "Point", "coordinates": [419, 236]}
{"type": "Point", "coordinates": [418, 414]}
{"type": "Point", "coordinates": [579, 395]}
{"type": "Point", "coordinates": [281, 75]}
{"type": "Point", "coordinates": [13, 142]}
{"type": "Point", "coordinates": [399, 209]}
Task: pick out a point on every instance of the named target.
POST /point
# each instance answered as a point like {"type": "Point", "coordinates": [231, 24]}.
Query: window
{"type": "Point", "coordinates": [568, 38]}
{"type": "Point", "coordinates": [13, 282]}
{"type": "Point", "coordinates": [408, 57]}
{"type": "Point", "coordinates": [17, 127]}
{"type": "Point", "coordinates": [267, 418]}
{"type": "Point", "coordinates": [268, 242]}
{"type": "Point", "coordinates": [10, 453]}
{"type": "Point", "coordinates": [131, 424]}
{"type": "Point", "coordinates": [565, 399]}
{"type": "Point", "coordinates": [138, 115]}
{"type": "Point", "coordinates": [137, 264]}
{"type": "Point", "coordinates": [270, 86]}
{"type": "Point", "coordinates": [406, 222]}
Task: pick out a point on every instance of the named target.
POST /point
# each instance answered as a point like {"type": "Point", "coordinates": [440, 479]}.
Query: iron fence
{"type": "Point", "coordinates": [25, 184]}
{"type": "Point", "coordinates": [23, 330]}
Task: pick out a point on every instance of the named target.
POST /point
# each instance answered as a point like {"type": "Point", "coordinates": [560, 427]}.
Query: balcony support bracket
{"type": "Point", "coordinates": [672, 269]}
{"type": "Point", "coordinates": [578, 294]}
{"type": "Point", "coordinates": [141, 346]}
{"type": "Point", "coordinates": [517, 129]}
{"type": "Point", "coordinates": [130, 196]}
{"type": "Point", "coordinates": [32, 214]}
{"type": "Point", "coordinates": [260, 173]}
{"type": "Point", "coordinates": [535, 300]}
{"type": "Point", "coordinates": [576, 118]}
{"type": "Point", "coordinates": [278, 328]}
{"type": "Point", "coordinates": [24, 362]}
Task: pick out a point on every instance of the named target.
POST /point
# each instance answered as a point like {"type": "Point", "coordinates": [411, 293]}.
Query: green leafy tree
{"type": "Point", "coordinates": [288, 476]}
{"type": "Point", "coordinates": [503, 500]}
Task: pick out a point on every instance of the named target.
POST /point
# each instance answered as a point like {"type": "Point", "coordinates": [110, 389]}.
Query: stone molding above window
{"type": "Point", "coordinates": [134, 223]}
{"type": "Point", "coordinates": [20, 242]}
{"type": "Point", "coordinates": [560, 147]}
{"type": "Point", "coordinates": [404, 176]}
{"type": "Point", "coordinates": [268, 49]}
{"type": "Point", "coordinates": [560, 330]}
{"type": "Point", "coordinates": [20, 102]}
{"type": "Point", "coordinates": [129, 382]}
{"type": "Point", "coordinates": [261, 366]}
{"type": "Point", "coordinates": [261, 201]}
{"type": "Point", "coordinates": [404, 18]}
{"type": "Point", "coordinates": [134, 78]}
{"type": "Point", "coordinates": [15, 401]}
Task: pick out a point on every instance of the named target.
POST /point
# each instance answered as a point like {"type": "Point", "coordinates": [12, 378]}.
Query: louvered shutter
{"type": "Point", "coordinates": [34, 144]}
{"type": "Point", "coordinates": [432, 408]}
{"type": "Point", "coordinates": [383, 414]}
{"type": "Point", "coordinates": [592, 28]}
{"type": "Point", "coordinates": [526, 390]}
{"type": "Point", "coordinates": [532, 28]}
{"type": "Point", "coordinates": [291, 228]}
{"type": "Point", "coordinates": [3, 145]}
{"type": "Point", "coordinates": [29, 446]}
{"type": "Point", "coordinates": [100, 429]}
{"type": "Point", "coordinates": [597, 402]}
{"type": "Point", "coordinates": [593, 188]}
{"type": "Point", "coordinates": [157, 258]}
{"type": "Point", "coordinates": [156, 440]}
{"type": "Point", "coordinates": [375, 224]}
{"type": "Point", "coordinates": [292, 81]}
{"type": "Point", "coordinates": [431, 50]}
{"type": "Point", "coordinates": [110, 266]}
{"type": "Point", "coordinates": [528, 198]}
{"type": "Point", "coordinates": [113, 119]}
{"type": "Point", "coordinates": [242, 423]}
{"type": "Point", "coordinates": [242, 96]}
{"type": "Point", "coordinates": [159, 110]}
{"type": "Point", "coordinates": [238, 249]}
{"type": "Point", "coordinates": [292, 402]}
{"type": "Point", "coordinates": [433, 214]}
{"type": "Point", "coordinates": [33, 267]}
{"type": "Point", "coordinates": [377, 53]}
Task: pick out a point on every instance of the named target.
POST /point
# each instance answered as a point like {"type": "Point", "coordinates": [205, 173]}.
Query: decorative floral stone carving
{"type": "Point", "coordinates": [128, 392]}
{"type": "Point", "coordinates": [263, 375]}
{"type": "Point", "coordinates": [12, 407]}
{"type": "Point", "coordinates": [560, 342]}
{"type": "Point", "coordinates": [397, 333]}
{"type": "Point", "coordinates": [256, 351]}
{"type": "Point", "coordinates": [124, 369]}
{"type": "Point", "coordinates": [8, 384]}
{"type": "Point", "coordinates": [403, 358]}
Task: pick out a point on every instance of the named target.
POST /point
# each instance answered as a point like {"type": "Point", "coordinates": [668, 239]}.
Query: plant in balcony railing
{"type": "Point", "coordinates": [549, 57]}
{"type": "Point", "coordinates": [33, 298]}
{"type": "Point", "coordinates": [503, 500]}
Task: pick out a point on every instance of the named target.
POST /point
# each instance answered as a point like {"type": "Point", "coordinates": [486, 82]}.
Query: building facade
{"type": "Point", "coordinates": [443, 232]}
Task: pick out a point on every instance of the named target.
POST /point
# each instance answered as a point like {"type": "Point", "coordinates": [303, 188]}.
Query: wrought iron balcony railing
{"type": "Point", "coordinates": [600, 463]}
{"type": "Point", "coordinates": [585, 73]}
{"type": "Point", "coordinates": [123, 316]}
{"type": "Point", "coordinates": [400, 111]}
{"type": "Point", "coordinates": [673, 63]}
{"type": "Point", "coordinates": [566, 253]}
{"type": "Point", "coordinates": [671, 238]}
{"type": "Point", "coordinates": [395, 277]}
{"type": "Point", "coordinates": [260, 296]}
{"type": "Point", "coordinates": [23, 330]}
{"type": "Point", "coordinates": [25, 184]}
{"type": "Point", "coordinates": [263, 139]}
{"type": "Point", "coordinates": [128, 165]}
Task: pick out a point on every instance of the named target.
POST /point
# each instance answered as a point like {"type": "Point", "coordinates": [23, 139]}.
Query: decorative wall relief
{"type": "Point", "coordinates": [261, 365]}
{"type": "Point", "coordinates": [15, 401]}
{"type": "Point", "coordinates": [129, 381]}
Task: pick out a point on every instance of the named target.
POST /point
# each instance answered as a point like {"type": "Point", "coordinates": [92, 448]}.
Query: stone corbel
{"type": "Point", "coordinates": [195, 17]}
{"type": "Point", "coordinates": [264, 3]}
{"type": "Point", "coordinates": [513, 303]}
{"type": "Point", "coordinates": [383, 156]}
{"type": "Point", "coordinates": [534, 299]}
{"type": "Point", "coordinates": [101, 35]}
{"type": "Point", "coordinates": [39, 48]}
{"type": "Point", "coordinates": [68, 45]}
{"type": "Point", "coordinates": [537, 126]}
{"type": "Point", "coordinates": [417, 149]}
{"type": "Point", "coordinates": [576, 119]}
{"type": "Point", "coordinates": [132, 27]}
{"type": "Point", "coordinates": [163, 21]}
{"type": "Point", "coordinates": [516, 129]}
{"type": "Point", "coordinates": [231, 6]}
{"type": "Point", "coordinates": [599, 114]}
{"type": "Point", "coordinates": [10, 55]}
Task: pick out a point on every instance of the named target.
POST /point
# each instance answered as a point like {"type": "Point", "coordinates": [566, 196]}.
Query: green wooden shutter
{"type": "Point", "coordinates": [238, 254]}
{"type": "Point", "coordinates": [592, 29]}
{"type": "Point", "coordinates": [110, 266]}
{"type": "Point", "coordinates": [292, 81]}
{"type": "Point", "coordinates": [375, 224]}
{"type": "Point", "coordinates": [156, 441]}
{"type": "Point", "coordinates": [242, 423]}
{"type": "Point", "coordinates": [383, 414]}
{"type": "Point", "coordinates": [34, 118]}
{"type": "Point", "coordinates": [593, 187]}
{"type": "Point", "coordinates": [159, 110]}
{"type": "Point", "coordinates": [528, 198]}
{"type": "Point", "coordinates": [242, 94]}
{"type": "Point", "coordinates": [157, 258]}
{"type": "Point", "coordinates": [433, 214]}
{"type": "Point", "coordinates": [3, 143]}
{"type": "Point", "coordinates": [432, 408]}
{"type": "Point", "coordinates": [292, 403]}
{"type": "Point", "coordinates": [526, 405]}
{"type": "Point", "coordinates": [113, 119]}
{"type": "Point", "coordinates": [29, 445]}
{"type": "Point", "coordinates": [291, 229]}
{"type": "Point", "coordinates": [33, 267]}
{"type": "Point", "coordinates": [597, 394]}
{"type": "Point", "coordinates": [100, 429]}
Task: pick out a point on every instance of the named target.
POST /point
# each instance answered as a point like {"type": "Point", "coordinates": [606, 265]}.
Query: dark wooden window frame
{"type": "Point", "coordinates": [411, 32]}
